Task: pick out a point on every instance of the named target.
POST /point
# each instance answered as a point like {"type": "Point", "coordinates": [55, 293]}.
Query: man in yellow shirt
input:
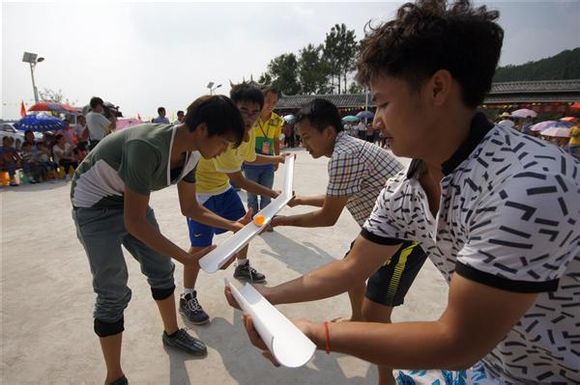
{"type": "Point", "coordinates": [215, 192]}
{"type": "Point", "coordinates": [268, 129]}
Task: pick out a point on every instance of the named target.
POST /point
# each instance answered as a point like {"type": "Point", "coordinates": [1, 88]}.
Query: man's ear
{"type": "Point", "coordinates": [329, 132]}
{"type": "Point", "coordinates": [440, 85]}
{"type": "Point", "coordinates": [201, 129]}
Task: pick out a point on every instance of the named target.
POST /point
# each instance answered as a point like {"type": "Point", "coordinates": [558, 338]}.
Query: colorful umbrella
{"type": "Point", "coordinates": [548, 124]}
{"type": "Point", "coordinates": [524, 113]}
{"type": "Point", "coordinates": [560, 132]}
{"type": "Point", "coordinates": [506, 123]}
{"type": "Point", "coordinates": [52, 107]}
{"type": "Point", "coordinates": [350, 119]}
{"type": "Point", "coordinates": [39, 123]}
{"type": "Point", "coordinates": [365, 115]}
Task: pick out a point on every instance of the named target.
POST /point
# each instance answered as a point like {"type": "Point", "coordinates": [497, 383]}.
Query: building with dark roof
{"type": "Point", "coordinates": [542, 96]}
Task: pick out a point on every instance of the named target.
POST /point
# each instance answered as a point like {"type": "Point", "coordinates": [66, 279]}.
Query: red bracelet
{"type": "Point", "coordinates": [327, 337]}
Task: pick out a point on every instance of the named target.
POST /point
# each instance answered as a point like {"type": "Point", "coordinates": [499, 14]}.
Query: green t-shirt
{"type": "Point", "coordinates": [137, 158]}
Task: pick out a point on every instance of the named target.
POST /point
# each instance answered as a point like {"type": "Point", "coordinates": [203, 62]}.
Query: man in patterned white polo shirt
{"type": "Point", "coordinates": [495, 210]}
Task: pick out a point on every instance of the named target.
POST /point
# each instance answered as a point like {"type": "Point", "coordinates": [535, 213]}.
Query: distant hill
{"type": "Point", "coordinates": [563, 66]}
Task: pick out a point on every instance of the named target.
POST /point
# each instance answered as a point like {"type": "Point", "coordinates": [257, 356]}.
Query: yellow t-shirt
{"type": "Point", "coordinates": [575, 136]}
{"type": "Point", "coordinates": [267, 133]}
{"type": "Point", "coordinates": [210, 175]}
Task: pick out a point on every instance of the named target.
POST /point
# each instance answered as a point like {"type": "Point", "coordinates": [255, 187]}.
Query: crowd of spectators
{"type": "Point", "coordinates": [55, 156]}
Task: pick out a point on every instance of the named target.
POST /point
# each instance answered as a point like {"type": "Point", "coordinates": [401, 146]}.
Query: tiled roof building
{"type": "Point", "coordinates": [549, 91]}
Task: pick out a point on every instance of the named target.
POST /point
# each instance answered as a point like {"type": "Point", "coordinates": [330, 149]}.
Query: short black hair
{"type": "Point", "coordinates": [320, 113]}
{"type": "Point", "coordinates": [429, 36]}
{"type": "Point", "coordinates": [95, 101]}
{"type": "Point", "coordinates": [243, 92]}
{"type": "Point", "coordinates": [179, 112]}
{"type": "Point", "coordinates": [219, 113]}
{"type": "Point", "coordinates": [271, 89]}
{"type": "Point", "coordinates": [160, 109]}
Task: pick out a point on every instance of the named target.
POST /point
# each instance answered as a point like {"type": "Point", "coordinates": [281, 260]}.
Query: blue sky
{"type": "Point", "coordinates": [141, 55]}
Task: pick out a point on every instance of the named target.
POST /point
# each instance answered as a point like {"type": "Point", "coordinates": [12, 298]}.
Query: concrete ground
{"type": "Point", "coordinates": [47, 299]}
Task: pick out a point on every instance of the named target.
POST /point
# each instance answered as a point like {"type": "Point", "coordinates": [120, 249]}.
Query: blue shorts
{"type": "Point", "coordinates": [227, 205]}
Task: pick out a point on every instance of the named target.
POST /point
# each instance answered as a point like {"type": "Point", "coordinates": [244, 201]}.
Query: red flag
{"type": "Point", "coordinates": [22, 109]}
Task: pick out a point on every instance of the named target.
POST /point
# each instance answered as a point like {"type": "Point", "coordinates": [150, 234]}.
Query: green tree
{"type": "Point", "coordinates": [563, 66]}
{"type": "Point", "coordinates": [265, 78]}
{"type": "Point", "coordinates": [355, 88]}
{"type": "Point", "coordinates": [313, 71]}
{"type": "Point", "coordinates": [282, 72]}
{"type": "Point", "coordinates": [339, 52]}
{"type": "Point", "coordinates": [51, 95]}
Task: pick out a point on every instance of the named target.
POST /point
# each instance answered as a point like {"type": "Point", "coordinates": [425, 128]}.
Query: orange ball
{"type": "Point", "coordinates": [259, 220]}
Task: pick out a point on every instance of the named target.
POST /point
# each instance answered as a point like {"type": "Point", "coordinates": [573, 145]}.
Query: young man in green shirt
{"type": "Point", "coordinates": [110, 196]}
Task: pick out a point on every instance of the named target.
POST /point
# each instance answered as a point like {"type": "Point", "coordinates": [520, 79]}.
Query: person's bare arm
{"type": "Point", "coordinates": [191, 208]}
{"type": "Point", "coordinates": [327, 215]}
{"type": "Point", "coordinates": [245, 184]}
{"type": "Point", "coordinates": [313, 200]}
{"type": "Point", "coordinates": [136, 223]}
{"type": "Point", "coordinates": [331, 279]}
{"type": "Point", "coordinates": [276, 150]}
{"type": "Point", "coordinates": [267, 159]}
{"type": "Point", "coordinates": [476, 319]}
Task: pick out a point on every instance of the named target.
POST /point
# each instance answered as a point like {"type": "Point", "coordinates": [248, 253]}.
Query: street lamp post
{"type": "Point", "coordinates": [211, 87]}
{"type": "Point", "coordinates": [32, 59]}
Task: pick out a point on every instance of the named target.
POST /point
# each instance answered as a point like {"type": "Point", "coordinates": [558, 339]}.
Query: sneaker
{"type": "Point", "coordinates": [247, 273]}
{"type": "Point", "coordinates": [183, 341]}
{"type": "Point", "coordinates": [119, 381]}
{"type": "Point", "coordinates": [192, 310]}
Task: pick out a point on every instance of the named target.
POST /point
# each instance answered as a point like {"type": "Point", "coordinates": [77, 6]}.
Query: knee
{"type": "Point", "coordinates": [106, 329]}
{"type": "Point", "coordinates": [161, 294]}
{"type": "Point", "coordinates": [110, 306]}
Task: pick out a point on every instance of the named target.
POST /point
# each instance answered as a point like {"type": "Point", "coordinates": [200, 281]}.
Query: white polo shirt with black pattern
{"type": "Point", "coordinates": [508, 218]}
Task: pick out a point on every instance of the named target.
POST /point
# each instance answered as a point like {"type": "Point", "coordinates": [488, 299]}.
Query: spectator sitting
{"type": "Point", "coordinates": [30, 163]}
{"type": "Point", "coordinates": [63, 154]}
{"type": "Point", "coordinates": [29, 138]}
{"type": "Point", "coordinates": [80, 152]}
{"type": "Point", "coordinates": [9, 159]}
{"type": "Point", "coordinates": [48, 166]}
{"type": "Point", "coordinates": [69, 133]}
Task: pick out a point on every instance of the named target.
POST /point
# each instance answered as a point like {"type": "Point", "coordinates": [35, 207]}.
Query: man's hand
{"type": "Point", "coordinates": [282, 157]}
{"type": "Point", "coordinates": [305, 326]}
{"type": "Point", "coordinates": [194, 258]}
{"type": "Point", "coordinates": [295, 201]}
{"type": "Point", "coordinates": [247, 218]}
{"type": "Point", "coordinates": [279, 220]}
{"type": "Point", "coordinates": [232, 301]}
